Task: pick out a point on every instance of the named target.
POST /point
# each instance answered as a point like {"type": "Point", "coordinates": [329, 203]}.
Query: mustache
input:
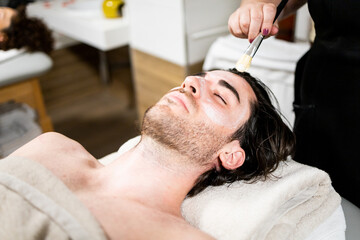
{"type": "Point", "coordinates": [188, 95]}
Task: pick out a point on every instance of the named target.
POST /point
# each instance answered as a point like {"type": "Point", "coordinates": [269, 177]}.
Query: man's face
{"type": "Point", "coordinates": [6, 15]}
{"type": "Point", "coordinates": [198, 118]}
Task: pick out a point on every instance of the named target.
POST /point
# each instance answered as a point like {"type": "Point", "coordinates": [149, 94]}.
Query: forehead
{"type": "Point", "coordinates": [6, 13]}
{"type": "Point", "coordinates": [5, 17]}
{"type": "Point", "coordinates": [239, 83]}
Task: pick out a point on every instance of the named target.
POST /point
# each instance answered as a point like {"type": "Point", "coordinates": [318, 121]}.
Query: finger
{"type": "Point", "coordinates": [269, 11]}
{"type": "Point", "coordinates": [233, 25]}
{"type": "Point", "coordinates": [256, 19]}
{"type": "Point", "coordinates": [244, 22]}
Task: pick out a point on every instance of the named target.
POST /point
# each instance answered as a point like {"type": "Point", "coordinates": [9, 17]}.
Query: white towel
{"type": "Point", "coordinates": [35, 204]}
{"type": "Point", "coordinates": [273, 53]}
{"type": "Point", "coordinates": [289, 207]}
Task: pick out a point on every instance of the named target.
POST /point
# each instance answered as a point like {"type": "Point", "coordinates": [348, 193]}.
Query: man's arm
{"type": "Point", "coordinates": [254, 16]}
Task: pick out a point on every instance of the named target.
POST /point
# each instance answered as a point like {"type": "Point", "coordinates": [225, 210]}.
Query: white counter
{"type": "Point", "coordinates": [83, 21]}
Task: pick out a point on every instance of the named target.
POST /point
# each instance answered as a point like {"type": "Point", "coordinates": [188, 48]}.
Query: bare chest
{"type": "Point", "coordinates": [76, 173]}
{"type": "Point", "coordinates": [124, 219]}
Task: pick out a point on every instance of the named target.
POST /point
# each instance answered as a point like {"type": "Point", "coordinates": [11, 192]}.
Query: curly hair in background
{"type": "Point", "coordinates": [30, 33]}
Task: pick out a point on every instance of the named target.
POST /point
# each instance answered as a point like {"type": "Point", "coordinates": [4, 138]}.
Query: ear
{"type": "Point", "coordinates": [232, 155]}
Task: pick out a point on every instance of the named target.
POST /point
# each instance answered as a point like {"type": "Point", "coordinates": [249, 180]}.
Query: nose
{"type": "Point", "coordinates": [192, 85]}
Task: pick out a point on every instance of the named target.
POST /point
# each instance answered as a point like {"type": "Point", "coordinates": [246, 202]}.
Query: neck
{"type": "Point", "coordinates": [153, 175]}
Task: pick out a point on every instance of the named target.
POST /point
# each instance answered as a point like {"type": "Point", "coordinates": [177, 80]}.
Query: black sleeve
{"type": "Point", "coordinates": [15, 3]}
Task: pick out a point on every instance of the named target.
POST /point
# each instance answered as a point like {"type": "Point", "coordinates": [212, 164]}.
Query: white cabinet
{"type": "Point", "coordinates": [179, 31]}
{"type": "Point", "coordinates": [205, 20]}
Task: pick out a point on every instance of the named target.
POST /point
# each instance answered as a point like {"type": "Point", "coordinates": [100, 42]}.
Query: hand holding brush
{"type": "Point", "coordinates": [244, 62]}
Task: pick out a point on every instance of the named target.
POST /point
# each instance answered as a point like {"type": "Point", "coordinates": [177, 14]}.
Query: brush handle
{"type": "Point", "coordinates": [279, 8]}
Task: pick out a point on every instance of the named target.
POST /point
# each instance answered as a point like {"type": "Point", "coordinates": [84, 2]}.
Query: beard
{"type": "Point", "coordinates": [191, 138]}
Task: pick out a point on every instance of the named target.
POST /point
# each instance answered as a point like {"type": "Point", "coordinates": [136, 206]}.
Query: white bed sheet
{"type": "Point", "coordinates": [333, 228]}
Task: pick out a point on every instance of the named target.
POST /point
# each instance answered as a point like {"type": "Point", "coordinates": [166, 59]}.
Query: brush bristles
{"type": "Point", "coordinates": [244, 63]}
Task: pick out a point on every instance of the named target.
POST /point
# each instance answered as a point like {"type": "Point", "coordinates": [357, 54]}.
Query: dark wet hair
{"type": "Point", "coordinates": [265, 138]}
{"type": "Point", "coordinates": [27, 32]}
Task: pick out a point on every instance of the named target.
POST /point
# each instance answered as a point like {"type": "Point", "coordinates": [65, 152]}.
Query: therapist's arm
{"type": "Point", "coordinates": [254, 16]}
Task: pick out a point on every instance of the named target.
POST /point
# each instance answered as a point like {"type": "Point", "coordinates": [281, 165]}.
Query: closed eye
{"type": "Point", "coordinates": [220, 98]}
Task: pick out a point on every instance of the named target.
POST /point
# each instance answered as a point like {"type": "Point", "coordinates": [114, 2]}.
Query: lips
{"type": "Point", "coordinates": [179, 98]}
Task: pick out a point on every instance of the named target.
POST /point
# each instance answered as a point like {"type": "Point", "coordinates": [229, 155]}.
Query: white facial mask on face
{"type": "Point", "coordinates": [214, 112]}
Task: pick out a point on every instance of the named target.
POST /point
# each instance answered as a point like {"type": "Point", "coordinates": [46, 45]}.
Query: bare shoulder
{"type": "Point", "coordinates": [53, 145]}
{"type": "Point", "coordinates": [66, 158]}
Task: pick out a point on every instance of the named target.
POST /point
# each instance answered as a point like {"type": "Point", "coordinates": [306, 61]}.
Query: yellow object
{"type": "Point", "coordinates": [113, 8]}
{"type": "Point", "coordinates": [244, 63]}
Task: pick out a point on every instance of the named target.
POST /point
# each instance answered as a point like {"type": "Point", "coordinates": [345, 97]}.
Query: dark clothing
{"type": "Point", "coordinates": [327, 96]}
{"type": "Point", "coordinates": [14, 3]}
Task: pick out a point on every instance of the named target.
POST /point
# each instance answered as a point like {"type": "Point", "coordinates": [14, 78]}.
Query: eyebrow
{"type": "Point", "coordinates": [222, 83]}
{"type": "Point", "coordinates": [231, 88]}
